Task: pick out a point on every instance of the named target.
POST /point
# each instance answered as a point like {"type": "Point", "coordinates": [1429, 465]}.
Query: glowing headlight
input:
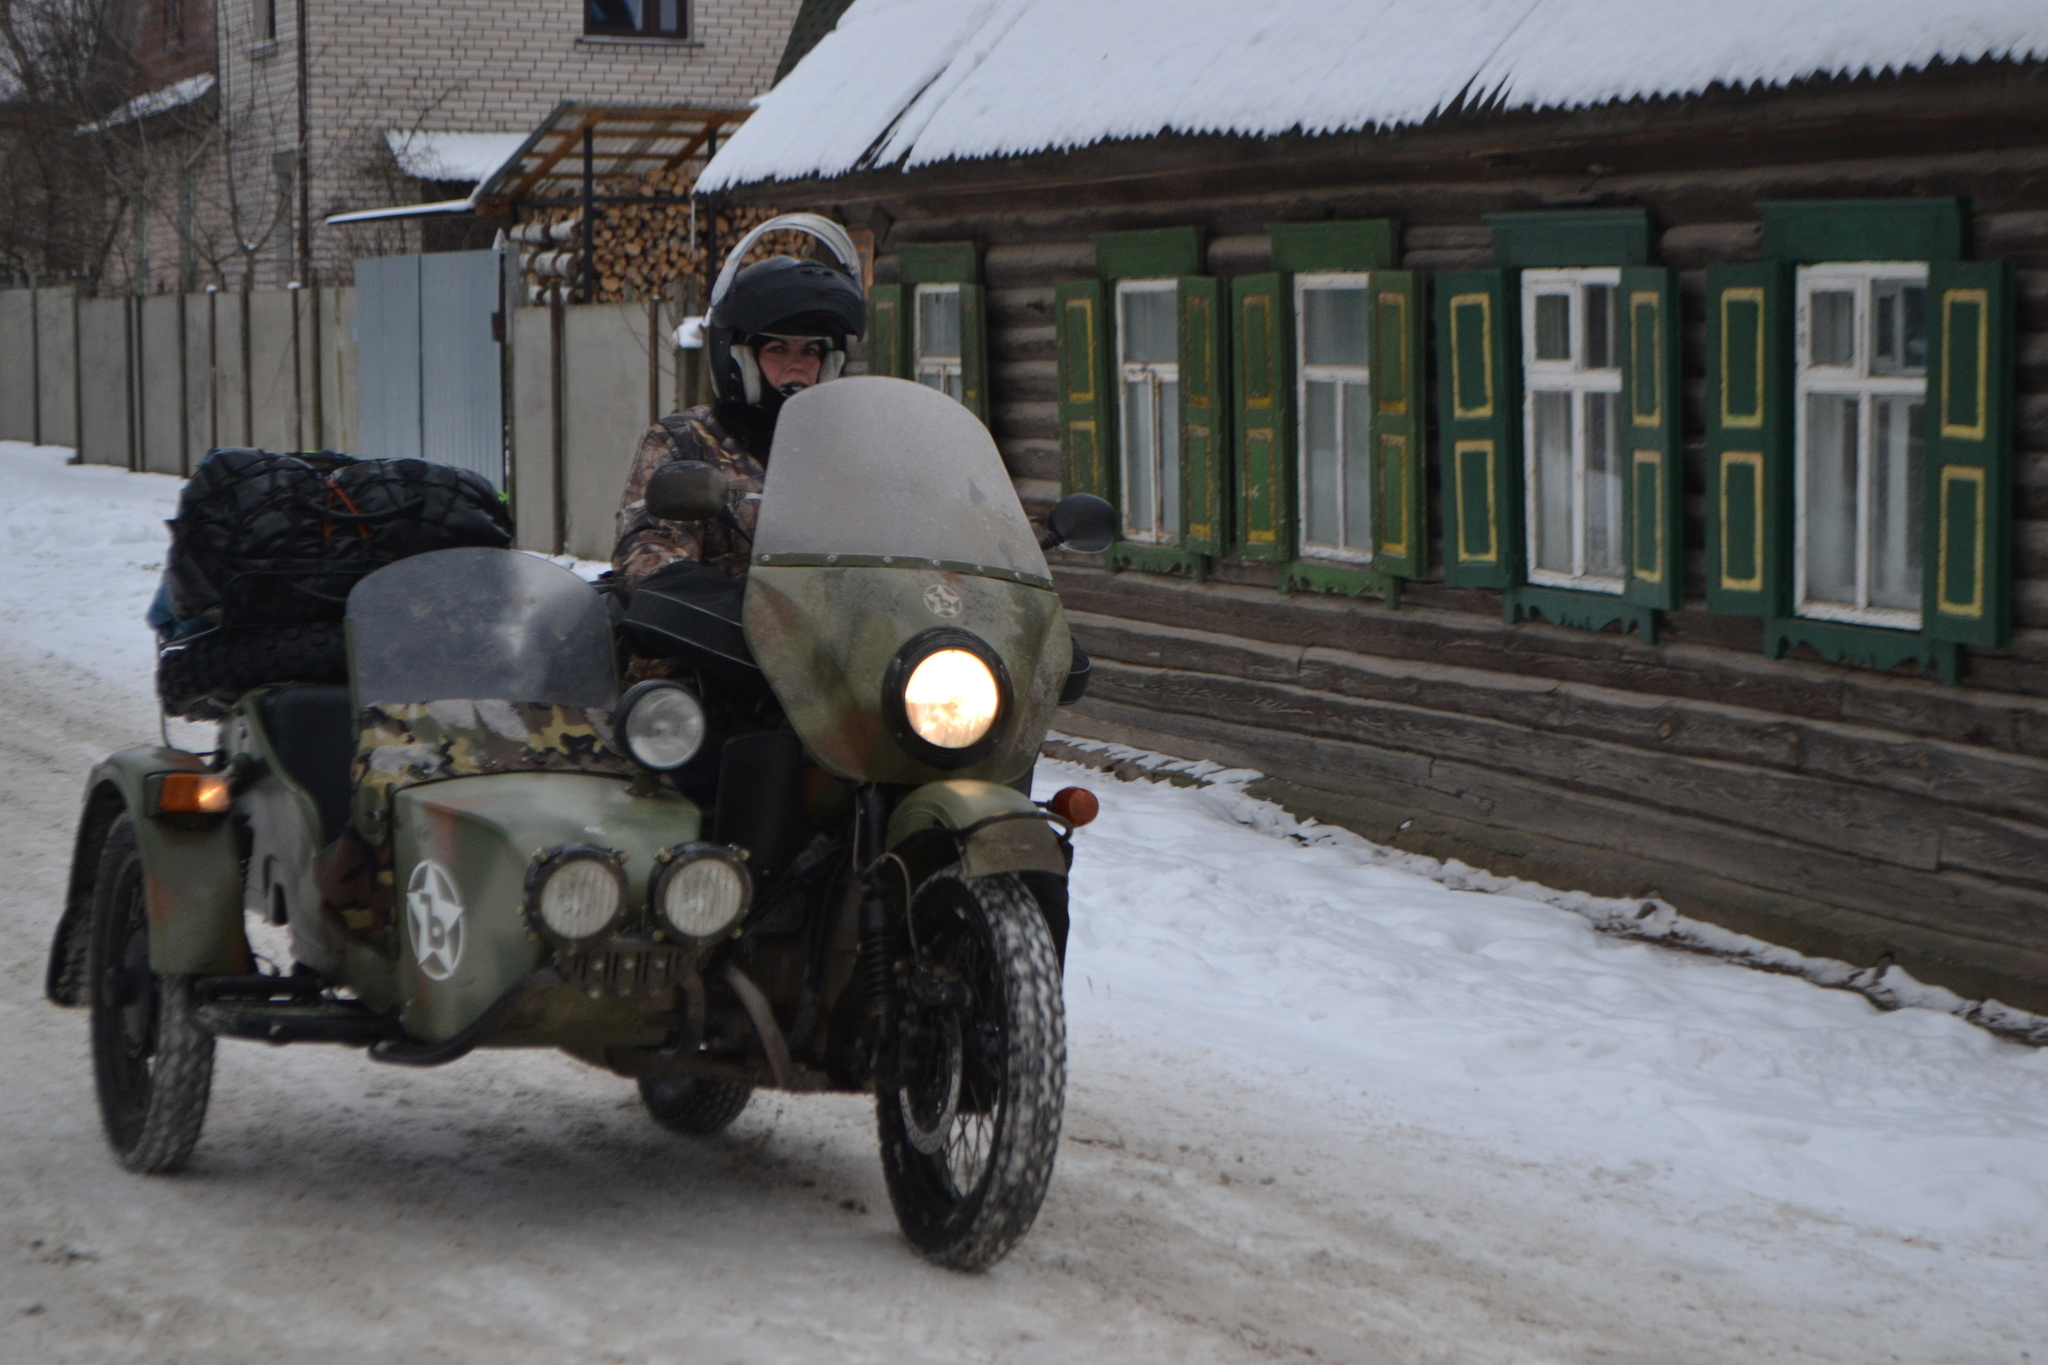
{"type": "Point", "coordinates": [951, 699]}
{"type": "Point", "coordinates": [701, 891]}
{"type": "Point", "coordinates": [576, 893]}
{"type": "Point", "coordinates": [661, 725]}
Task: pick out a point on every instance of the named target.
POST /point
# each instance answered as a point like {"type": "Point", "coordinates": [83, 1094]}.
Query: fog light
{"type": "Point", "coordinates": [576, 893]}
{"type": "Point", "coordinates": [701, 890]}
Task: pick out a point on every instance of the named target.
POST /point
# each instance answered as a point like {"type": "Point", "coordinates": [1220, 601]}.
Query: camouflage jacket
{"type": "Point", "coordinates": [645, 542]}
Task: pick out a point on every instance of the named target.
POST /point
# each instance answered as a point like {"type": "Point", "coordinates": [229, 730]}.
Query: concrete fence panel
{"type": "Point", "coordinates": [57, 365]}
{"type": "Point", "coordinates": [605, 393]}
{"type": "Point", "coordinates": [202, 410]}
{"type": "Point", "coordinates": [338, 429]}
{"type": "Point", "coordinates": [105, 345]}
{"type": "Point", "coordinates": [231, 378]}
{"type": "Point", "coordinates": [160, 364]}
{"type": "Point", "coordinates": [533, 429]}
{"type": "Point", "coordinates": [17, 365]}
{"type": "Point", "coordinates": [272, 416]}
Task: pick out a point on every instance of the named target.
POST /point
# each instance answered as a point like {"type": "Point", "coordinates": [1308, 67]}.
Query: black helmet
{"type": "Point", "coordinates": [780, 296]}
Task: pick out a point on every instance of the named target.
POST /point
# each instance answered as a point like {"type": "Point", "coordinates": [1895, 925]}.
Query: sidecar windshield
{"type": "Point", "coordinates": [874, 467]}
{"type": "Point", "coordinates": [480, 624]}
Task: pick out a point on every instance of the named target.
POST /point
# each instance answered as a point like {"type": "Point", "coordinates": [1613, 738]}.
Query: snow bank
{"type": "Point", "coordinates": [921, 81]}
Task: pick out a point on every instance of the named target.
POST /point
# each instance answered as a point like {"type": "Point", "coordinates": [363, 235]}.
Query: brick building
{"type": "Point", "coordinates": [381, 83]}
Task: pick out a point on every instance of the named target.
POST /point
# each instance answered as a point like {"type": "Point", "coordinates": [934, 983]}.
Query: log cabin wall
{"type": "Point", "coordinates": [1871, 816]}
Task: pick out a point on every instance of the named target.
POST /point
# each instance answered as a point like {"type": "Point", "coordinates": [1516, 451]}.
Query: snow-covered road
{"type": "Point", "coordinates": [1322, 1106]}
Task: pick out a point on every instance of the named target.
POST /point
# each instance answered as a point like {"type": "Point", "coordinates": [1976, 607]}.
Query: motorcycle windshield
{"type": "Point", "coordinates": [870, 470]}
{"type": "Point", "coordinates": [476, 624]}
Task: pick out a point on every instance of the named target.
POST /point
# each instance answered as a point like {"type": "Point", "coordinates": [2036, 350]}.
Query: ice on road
{"type": "Point", "coordinates": [1322, 1107]}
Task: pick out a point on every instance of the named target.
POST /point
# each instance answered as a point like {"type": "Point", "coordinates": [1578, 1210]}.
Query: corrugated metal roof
{"type": "Point", "coordinates": [912, 82]}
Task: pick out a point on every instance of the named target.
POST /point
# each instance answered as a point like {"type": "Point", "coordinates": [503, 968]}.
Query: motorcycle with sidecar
{"type": "Point", "coordinates": [807, 860]}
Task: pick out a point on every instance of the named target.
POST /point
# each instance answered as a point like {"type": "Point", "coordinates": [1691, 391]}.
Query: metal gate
{"type": "Point", "coordinates": [427, 360]}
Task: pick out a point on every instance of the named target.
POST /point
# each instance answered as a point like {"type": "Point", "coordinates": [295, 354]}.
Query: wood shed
{"type": "Point", "coordinates": [1602, 441]}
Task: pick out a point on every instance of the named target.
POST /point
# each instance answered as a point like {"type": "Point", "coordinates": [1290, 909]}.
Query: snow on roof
{"type": "Point", "coordinates": [913, 82]}
{"type": "Point", "coordinates": [161, 100]}
{"type": "Point", "coordinates": [452, 156]}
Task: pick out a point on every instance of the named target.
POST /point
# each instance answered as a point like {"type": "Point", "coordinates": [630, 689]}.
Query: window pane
{"type": "Point", "coordinates": [1169, 458]}
{"type": "Point", "coordinates": [1899, 328]}
{"type": "Point", "coordinates": [1830, 499]}
{"type": "Point", "coordinates": [1148, 330]}
{"type": "Point", "coordinates": [1333, 326]}
{"type": "Point", "coordinates": [1553, 327]}
{"type": "Point", "coordinates": [616, 14]}
{"type": "Point", "coordinates": [1139, 512]}
{"type": "Point", "coordinates": [1600, 349]}
{"type": "Point", "coordinates": [1357, 467]}
{"type": "Point", "coordinates": [1320, 460]}
{"type": "Point", "coordinates": [1831, 327]}
{"type": "Point", "coordinates": [938, 323]}
{"type": "Point", "coordinates": [956, 387]}
{"type": "Point", "coordinates": [671, 16]}
{"type": "Point", "coordinates": [1553, 474]}
{"type": "Point", "coordinates": [1603, 484]}
{"type": "Point", "coordinates": [1897, 475]}
{"type": "Point", "coordinates": [932, 379]}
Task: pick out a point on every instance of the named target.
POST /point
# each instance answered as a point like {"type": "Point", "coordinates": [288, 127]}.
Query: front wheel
{"type": "Point", "coordinates": [971, 1126]}
{"type": "Point", "coordinates": [152, 1062]}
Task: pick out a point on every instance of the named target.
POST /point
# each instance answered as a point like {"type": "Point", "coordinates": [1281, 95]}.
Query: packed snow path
{"type": "Point", "coordinates": [1318, 1105]}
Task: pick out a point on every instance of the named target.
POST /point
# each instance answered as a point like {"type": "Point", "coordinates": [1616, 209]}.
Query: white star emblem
{"type": "Point", "coordinates": [942, 600]}
{"type": "Point", "coordinates": [434, 913]}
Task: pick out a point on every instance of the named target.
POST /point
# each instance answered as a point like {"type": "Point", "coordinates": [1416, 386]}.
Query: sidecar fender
{"type": "Point", "coordinates": [192, 875]}
{"type": "Point", "coordinates": [995, 828]}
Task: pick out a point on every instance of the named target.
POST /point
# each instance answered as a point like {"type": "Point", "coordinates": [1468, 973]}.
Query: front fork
{"type": "Point", "coordinates": [877, 942]}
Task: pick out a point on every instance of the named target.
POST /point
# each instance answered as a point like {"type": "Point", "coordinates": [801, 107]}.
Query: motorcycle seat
{"type": "Point", "coordinates": [313, 732]}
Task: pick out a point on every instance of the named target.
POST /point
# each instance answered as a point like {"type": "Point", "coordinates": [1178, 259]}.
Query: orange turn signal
{"type": "Point", "coordinates": [1075, 805]}
{"type": "Point", "coordinates": [193, 794]}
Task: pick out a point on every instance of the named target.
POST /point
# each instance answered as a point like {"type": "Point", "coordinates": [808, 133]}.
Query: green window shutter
{"type": "Point", "coordinates": [1968, 554]}
{"type": "Point", "coordinates": [1262, 313]}
{"type": "Point", "coordinates": [1087, 439]}
{"type": "Point", "coordinates": [1400, 543]}
{"type": "Point", "coordinates": [1653, 489]}
{"type": "Point", "coordinates": [974, 349]}
{"type": "Point", "coordinates": [1479, 425]}
{"type": "Point", "coordinates": [1749, 446]}
{"type": "Point", "coordinates": [886, 330]}
{"type": "Point", "coordinates": [1204, 439]}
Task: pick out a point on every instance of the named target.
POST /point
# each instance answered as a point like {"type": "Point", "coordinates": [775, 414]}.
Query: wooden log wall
{"type": "Point", "coordinates": [1865, 815]}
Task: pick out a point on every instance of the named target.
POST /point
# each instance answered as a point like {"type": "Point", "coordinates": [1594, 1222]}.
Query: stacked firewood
{"type": "Point", "coordinates": [645, 250]}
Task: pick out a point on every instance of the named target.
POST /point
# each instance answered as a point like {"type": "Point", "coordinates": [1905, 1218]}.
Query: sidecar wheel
{"type": "Point", "coordinates": [695, 1107]}
{"type": "Point", "coordinates": [970, 1132]}
{"type": "Point", "coordinates": [152, 1063]}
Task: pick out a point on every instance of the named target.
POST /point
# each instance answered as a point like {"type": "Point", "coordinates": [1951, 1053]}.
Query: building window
{"type": "Point", "coordinates": [1572, 428]}
{"type": "Point", "coordinates": [940, 361]}
{"type": "Point", "coordinates": [636, 18]}
{"type": "Point", "coordinates": [174, 25]}
{"type": "Point", "coordinates": [266, 15]}
{"type": "Point", "coordinates": [1148, 360]}
{"type": "Point", "coordinates": [1861, 451]}
{"type": "Point", "coordinates": [1333, 321]}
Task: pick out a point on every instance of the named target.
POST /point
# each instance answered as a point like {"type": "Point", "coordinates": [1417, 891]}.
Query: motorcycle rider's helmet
{"type": "Point", "coordinates": [786, 298]}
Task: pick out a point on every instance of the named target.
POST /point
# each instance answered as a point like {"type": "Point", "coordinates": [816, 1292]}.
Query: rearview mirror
{"type": "Point", "coordinates": [687, 490]}
{"type": "Point", "coordinates": [1080, 521]}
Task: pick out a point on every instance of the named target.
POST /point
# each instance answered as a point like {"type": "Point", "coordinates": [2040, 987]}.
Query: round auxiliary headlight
{"type": "Point", "coordinates": [576, 893]}
{"type": "Point", "coordinates": [951, 699]}
{"type": "Point", "coordinates": [661, 725]}
{"type": "Point", "coordinates": [702, 890]}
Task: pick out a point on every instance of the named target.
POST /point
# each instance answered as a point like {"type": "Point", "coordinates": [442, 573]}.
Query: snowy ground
{"type": "Point", "coordinates": [1322, 1107]}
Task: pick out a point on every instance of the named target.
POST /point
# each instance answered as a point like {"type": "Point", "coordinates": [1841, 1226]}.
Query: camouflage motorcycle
{"type": "Point", "coordinates": [808, 861]}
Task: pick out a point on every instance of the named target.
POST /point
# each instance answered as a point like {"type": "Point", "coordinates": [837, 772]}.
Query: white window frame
{"type": "Point", "coordinates": [1341, 375]}
{"type": "Point", "coordinates": [1852, 380]}
{"type": "Point", "coordinates": [949, 369]}
{"type": "Point", "coordinates": [1153, 373]}
{"type": "Point", "coordinates": [1566, 376]}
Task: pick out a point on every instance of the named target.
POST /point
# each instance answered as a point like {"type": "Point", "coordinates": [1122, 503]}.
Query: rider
{"type": "Point", "coordinates": [782, 326]}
